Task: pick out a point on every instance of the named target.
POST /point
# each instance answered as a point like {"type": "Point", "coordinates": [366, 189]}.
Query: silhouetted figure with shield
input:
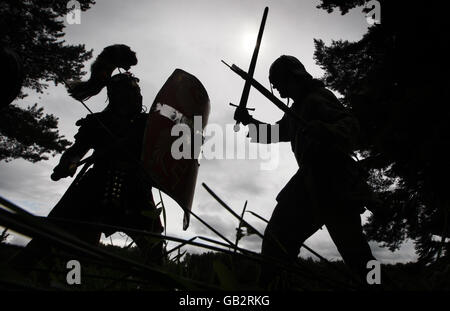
{"type": "Point", "coordinates": [115, 191]}
{"type": "Point", "coordinates": [131, 154]}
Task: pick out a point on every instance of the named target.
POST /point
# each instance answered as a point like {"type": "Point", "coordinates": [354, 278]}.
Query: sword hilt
{"type": "Point", "coordinates": [236, 127]}
{"type": "Point", "coordinates": [240, 72]}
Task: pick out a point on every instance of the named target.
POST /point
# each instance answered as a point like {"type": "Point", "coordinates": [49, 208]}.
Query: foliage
{"type": "Point", "coordinates": [32, 138]}
{"type": "Point", "coordinates": [34, 30]}
{"type": "Point", "coordinates": [343, 5]}
{"type": "Point", "coordinates": [4, 235]}
{"type": "Point", "coordinates": [390, 79]}
{"type": "Point", "coordinates": [204, 268]}
{"type": "Point", "coordinates": [108, 267]}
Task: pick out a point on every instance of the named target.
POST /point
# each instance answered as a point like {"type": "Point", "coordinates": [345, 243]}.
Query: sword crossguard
{"type": "Point", "coordinates": [236, 127]}
{"type": "Point", "coordinates": [249, 109]}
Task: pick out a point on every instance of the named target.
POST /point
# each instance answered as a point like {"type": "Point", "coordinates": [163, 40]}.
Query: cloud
{"type": "Point", "coordinates": [29, 186]}
{"type": "Point", "coordinates": [194, 36]}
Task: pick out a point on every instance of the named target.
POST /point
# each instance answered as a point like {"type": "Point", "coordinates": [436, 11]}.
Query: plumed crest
{"type": "Point", "coordinates": [112, 57]}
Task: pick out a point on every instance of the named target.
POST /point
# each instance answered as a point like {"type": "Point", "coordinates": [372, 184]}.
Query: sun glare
{"type": "Point", "coordinates": [248, 41]}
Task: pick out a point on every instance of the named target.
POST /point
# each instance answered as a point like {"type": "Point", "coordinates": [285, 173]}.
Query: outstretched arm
{"type": "Point", "coordinates": [68, 163]}
{"type": "Point", "coordinates": [261, 132]}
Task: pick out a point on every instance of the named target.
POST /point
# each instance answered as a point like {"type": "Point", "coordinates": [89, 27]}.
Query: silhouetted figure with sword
{"type": "Point", "coordinates": [328, 189]}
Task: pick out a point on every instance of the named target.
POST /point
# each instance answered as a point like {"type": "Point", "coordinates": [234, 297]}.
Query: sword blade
{"type": "Point", "coordinates": [251, 69]}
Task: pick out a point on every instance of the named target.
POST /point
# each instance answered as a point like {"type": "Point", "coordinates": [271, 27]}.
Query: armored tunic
{"type": "Point", "coordinates": [327, 174]}
{"type": "Point", "coordinates": [115, 191]}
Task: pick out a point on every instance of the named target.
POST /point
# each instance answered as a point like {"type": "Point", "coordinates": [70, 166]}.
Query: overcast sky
{"type": "Point", "coordinates": [195, 35]}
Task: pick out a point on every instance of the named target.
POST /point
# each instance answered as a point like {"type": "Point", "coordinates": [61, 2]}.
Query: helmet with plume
{"type": "Point", "coordinates": [112, 57]}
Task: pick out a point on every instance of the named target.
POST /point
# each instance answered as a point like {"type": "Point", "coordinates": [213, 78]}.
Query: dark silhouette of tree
{"type": "Point", "coordinates": [4, 236]}
{"type": "Point", "coordinates": [34, 30]}
{"type": "Point", "coordinates": [343, 5]}
{"type": "Point", "coordinates": [395, 80]}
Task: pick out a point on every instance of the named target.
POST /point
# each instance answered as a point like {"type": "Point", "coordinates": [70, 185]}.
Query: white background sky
{"type": "Point", "coordinates": [195, 35]}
